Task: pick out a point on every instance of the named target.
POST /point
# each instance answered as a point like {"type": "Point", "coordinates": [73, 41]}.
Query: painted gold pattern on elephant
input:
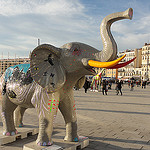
{"type": "Point", "coordinates": [36, 68]}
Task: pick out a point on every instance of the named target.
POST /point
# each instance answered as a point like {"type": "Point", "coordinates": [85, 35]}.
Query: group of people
{"type": "Point", "coordinates": [131, 84]}
{"type": "Point", "coordinates": [118, 87]}
{"type": "Point", "coordinates": [138, 83]}
{"type": "Point", "coordinates": [105, 85]}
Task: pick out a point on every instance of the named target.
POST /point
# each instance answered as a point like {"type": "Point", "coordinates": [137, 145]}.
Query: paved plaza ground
{"type": "Point", "coordinates": [112, 122]}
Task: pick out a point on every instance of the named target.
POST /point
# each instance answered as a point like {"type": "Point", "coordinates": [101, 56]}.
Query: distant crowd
{"type": "Point", "coordinates": [105, 85]}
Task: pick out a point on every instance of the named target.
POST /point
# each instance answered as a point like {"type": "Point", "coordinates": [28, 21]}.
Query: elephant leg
{"type": "Point", "coordinates": [68, 110]}
{"type": "Point", "coordinates": [18, 116]}
{"type": "Point", "coordinates": [7, 116]}
{"type": "Point", "coordinates": [46, 121]}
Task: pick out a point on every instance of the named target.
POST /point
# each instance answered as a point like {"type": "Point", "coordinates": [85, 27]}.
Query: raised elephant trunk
{"type": "Point", "coordinates": [109, 51]}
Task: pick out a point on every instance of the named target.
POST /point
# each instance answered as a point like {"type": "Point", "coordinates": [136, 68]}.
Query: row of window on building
{"type": "Point", "coordinates": [6, 63]}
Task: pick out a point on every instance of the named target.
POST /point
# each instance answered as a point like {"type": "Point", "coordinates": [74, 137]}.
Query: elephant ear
{"type": "Point", "coordinates": [46, 68]}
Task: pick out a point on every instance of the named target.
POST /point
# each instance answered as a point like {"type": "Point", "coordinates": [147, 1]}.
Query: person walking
{"type": "Point", "coordinates": [86, 85]}
{"type": "Point", "coordinates": [132, 85]}
{"type": "Point", "coordinates": [119, 87]}
{"type": "Point", "coordinates": [144, 84]}
{"type": "Point", "coordinates": [129, 83]}
{"type": "Point", "coordinates": [104, 87]}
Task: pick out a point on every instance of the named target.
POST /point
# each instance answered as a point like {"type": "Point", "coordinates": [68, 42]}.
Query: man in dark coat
{"type": "Point", "coordinates": [104, 85]}
{"type": "Point", "coordinates": [86, 85]}
{"type": "Point", "coordinates": [119, 87]}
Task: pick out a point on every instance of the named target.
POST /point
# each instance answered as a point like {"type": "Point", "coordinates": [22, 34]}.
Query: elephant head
{"type": "Point", "coordinates": [50, 66]}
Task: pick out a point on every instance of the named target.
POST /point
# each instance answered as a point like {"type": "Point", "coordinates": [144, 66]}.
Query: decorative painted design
{"type": "Point", "coordinates": [50, 60]}
{"type": "Point", "coordinates": [45, 73]}
{"type": "Point", "coordinates": [76, 139]}
{"type": "Point", "coordinates": [4, 89]}
{"type": "Point", "coordinates": [53, 104]}
{"type": "Point", "coordinates": [52, 75]}
{"type": "Point", "coordinates": [20, 73]}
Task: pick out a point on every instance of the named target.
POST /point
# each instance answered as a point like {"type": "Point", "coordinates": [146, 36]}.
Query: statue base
{"type": "Point", "coordinates": [60, 144]}
{"type": "Point", "coordinates": [23, 132]}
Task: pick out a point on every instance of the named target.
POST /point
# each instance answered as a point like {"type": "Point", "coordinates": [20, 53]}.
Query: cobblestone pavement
{"type": "Point", "coordinates": [112, 122]}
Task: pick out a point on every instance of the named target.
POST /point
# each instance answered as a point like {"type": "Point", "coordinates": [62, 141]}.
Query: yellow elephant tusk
{"type": "Point", "coordinates": [98, 64]}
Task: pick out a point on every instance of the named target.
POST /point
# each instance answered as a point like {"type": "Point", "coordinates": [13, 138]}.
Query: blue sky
{"type": "Point", "coordinates": [58, 22]}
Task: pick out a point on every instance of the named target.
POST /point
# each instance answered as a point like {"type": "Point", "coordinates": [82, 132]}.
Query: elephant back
{"type": "Point", "coordinates": [18, 83]}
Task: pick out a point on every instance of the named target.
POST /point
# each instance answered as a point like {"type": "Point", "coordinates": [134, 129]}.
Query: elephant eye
{"type": "Point", "coordinates": [75, 50]}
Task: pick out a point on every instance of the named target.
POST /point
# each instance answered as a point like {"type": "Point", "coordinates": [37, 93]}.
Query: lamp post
{"type": "Point", "coordinates": [38, 42]}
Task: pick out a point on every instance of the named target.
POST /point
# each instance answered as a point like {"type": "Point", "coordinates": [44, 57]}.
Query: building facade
{"type": "Point", "coordinates": [145, 65]}
{"type": "Point", "coordinates": [128, 70]}
{"type": "Point", "coordinates": [6, 63]}
{"type": "Point", "coordinates": [139, 68]}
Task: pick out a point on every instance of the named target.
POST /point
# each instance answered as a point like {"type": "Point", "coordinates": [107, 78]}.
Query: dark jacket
{"type": "Point", "coordinates": [119, 85]}
{"type": "Point", "coordinates": [103, 85]}
{"type": "Point", "coordinates": [86, 84]}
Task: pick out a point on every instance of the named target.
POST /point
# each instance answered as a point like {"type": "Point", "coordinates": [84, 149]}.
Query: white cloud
{"type": "Point", "coordinates": [7, 47]}
{"type": "Point", "coordinates": [47, 22]}
{"type": "Point", "coordinates": [61, 21]}
{"type": "Point", "coordinates": [52, 7]}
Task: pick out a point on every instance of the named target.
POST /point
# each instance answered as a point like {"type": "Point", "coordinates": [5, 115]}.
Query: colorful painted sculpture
{"type": "Point", "coordinates": [96, 81]}
{"type": "Point", "coordinates": [47, 82]}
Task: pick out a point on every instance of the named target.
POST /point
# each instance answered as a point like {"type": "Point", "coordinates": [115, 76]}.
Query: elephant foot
{"type": "Point", "coordinates": [21, 125]}
{"type": "Point", "coordinates": [43, 143]}
{"type": "Point", "coordinates": [10, 133]}
{"type": "Point", "coordinates": [70, 139]}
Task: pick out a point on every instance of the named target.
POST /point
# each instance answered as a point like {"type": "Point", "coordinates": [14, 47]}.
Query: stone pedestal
{"type": "Point", "coordinates": [59, 144]}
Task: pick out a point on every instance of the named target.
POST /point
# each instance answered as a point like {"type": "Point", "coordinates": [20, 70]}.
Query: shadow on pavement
{"type": "Point", "coordinates": [120, 140]}
{"type": "Point", "coordinates": [114, 111]}
{"type": "Point", "coordinates": [98, 145]}
{"type": "Point", "coordinates": [114, 103]}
